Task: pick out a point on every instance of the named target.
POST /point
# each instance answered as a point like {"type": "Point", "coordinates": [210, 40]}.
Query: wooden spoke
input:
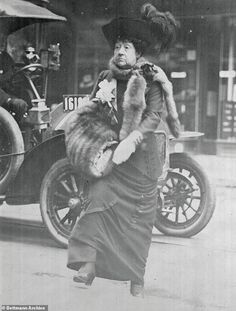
{"type": "Point", "coordinates": [66, 187]}
{"type": "Point", "coordinates": [177, 215]}
{"type": "Point", "coordinates": [74, 185]}
{"type": "Point", "coordinates": [63, 220]}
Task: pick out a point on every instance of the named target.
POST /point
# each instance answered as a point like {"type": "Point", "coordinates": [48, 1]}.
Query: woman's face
{"type": "Point", "coordinates": [125, 55]}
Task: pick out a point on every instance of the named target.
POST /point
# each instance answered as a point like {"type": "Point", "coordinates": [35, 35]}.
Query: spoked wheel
{"type": "Point", "coordinates": [11, 142]}
{"type": "Point", "coordinates": [188, 198]}
{"type": "Point", "coordinates": [62, 198]}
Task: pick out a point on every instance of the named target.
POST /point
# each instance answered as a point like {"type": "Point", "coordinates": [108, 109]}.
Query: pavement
{"type": "Point", "coordinates": [220, 170]}
{"type": "Point", "coordinates": [196, 274]}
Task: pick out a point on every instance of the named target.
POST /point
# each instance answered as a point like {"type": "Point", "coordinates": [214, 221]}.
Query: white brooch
{"type": "Point", "coordinates": [106, 91]}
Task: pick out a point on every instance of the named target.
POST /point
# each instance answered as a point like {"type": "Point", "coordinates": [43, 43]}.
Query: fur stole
{"type": "Point", "coordinates": [89, 138]}
{"type": "Point", "coordinates": [134, 98]}
{"type": "Point", "coordinates": [134, 103]}
{"type": "Point", "coordinates": [133, 106]}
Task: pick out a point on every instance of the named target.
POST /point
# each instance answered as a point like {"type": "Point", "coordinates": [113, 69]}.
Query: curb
{"type": "Point", "coordinates": [223, 183]}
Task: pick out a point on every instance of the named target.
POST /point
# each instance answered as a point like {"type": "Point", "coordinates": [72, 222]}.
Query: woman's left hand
{"type": "Point", "coordinates": [162, 78]}
{"type": "Point", "coordinates": [155, 73]}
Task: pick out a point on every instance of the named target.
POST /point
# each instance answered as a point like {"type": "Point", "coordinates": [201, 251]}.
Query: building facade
{"type": "Point", "coordinates": [201, 64]}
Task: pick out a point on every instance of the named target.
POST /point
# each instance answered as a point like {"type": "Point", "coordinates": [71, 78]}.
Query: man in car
{"type": "Point", "coordinates": [16, 105]}
{"type": "Point", "coordinates": [12, 104]}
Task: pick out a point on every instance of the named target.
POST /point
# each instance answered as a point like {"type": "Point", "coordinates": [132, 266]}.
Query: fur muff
{"type": "Point", "coordinates": [133, 105]}
{"type": "Point", "coordinates": [88, 137]}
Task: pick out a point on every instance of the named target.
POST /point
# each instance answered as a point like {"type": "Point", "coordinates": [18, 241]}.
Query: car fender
{"type": "Point", "coordinates": [26, 186]}
{"type": "Point", "coordinates": [59, 118]}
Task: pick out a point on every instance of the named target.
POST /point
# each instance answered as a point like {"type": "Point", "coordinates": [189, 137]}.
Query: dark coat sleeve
{"type": "Point", "coordinates": [152, 114]}
{"type": "Point", "coordinates": [6, 67]}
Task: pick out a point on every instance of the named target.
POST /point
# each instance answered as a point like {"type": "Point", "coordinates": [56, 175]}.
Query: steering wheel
{"type": "Point", "coordinates": [26, 70]}
{"type": "Point", "coordinates": [25, 83]}
{"type": "Point", "coordinates": [27, 67]}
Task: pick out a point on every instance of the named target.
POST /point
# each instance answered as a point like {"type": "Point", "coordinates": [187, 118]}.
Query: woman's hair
{"type": "Point", "coordinates": [139, 45]}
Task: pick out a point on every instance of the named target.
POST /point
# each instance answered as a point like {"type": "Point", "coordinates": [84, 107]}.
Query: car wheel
{"type": "Point", "coordinates": [62, 199]}
{"type": "Point", "coordinates": [188, 199]}
{"type": "Point", "coordinates": [11, 142]}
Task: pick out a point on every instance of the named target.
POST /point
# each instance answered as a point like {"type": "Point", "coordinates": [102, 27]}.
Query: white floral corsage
{"type": "Point", "coordinates": [106, 93]}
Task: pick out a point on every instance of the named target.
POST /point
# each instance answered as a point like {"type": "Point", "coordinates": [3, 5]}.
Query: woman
{"type": "Point", "coordinates": [112, 238]}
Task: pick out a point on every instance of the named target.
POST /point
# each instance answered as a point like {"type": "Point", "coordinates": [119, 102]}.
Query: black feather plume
{"type": "Point", "coordinates": [163, 25]}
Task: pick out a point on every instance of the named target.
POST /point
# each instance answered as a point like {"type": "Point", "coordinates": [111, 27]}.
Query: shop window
{"type": "Point", "coordinates": [227, 75]}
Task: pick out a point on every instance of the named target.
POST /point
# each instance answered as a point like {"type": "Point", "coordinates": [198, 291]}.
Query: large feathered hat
{"type": "Point", "coordinates": [124, 27]}
{"type": "Point", "coordinates": [153, 27]}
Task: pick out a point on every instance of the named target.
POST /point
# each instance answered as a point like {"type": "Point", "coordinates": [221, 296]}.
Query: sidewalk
{"type": "Point", "coordinates": [194, 274]}
{"type": "Point", "coordinates": [220, 170]}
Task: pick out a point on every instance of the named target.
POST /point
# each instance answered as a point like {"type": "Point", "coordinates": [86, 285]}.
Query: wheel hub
{"type": "Point", "coordinates": [178, 198]}
{"type": "Point", "coordinates": [74, 203]}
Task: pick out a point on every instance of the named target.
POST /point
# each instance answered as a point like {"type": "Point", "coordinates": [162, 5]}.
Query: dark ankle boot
{"type": "Point", "coordinates": [86, 274]}
{"type": "Point", "coordinates": [137, 289]}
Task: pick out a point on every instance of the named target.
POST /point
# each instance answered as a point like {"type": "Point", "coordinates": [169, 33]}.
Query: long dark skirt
{"type": "Point", "coordinates": [115, 232]}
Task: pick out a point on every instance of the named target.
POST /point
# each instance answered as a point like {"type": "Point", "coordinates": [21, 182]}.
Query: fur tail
{"type": "Point", "coordinates": [133, 105]}
{"type": "Point", "coordinates": [174, 125]}
{"type": "Point", "coordinates": [172, 118]}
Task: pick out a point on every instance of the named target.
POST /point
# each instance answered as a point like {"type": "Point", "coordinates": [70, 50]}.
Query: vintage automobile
{"type": "Point", "coordinates": [34, 168]}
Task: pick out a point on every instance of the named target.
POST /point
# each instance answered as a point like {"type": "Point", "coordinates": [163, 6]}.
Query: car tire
{"type": "Point", "coordinates": [187, 192]}
{"type": "Point", "coordinates": [60, 200]}
{"type": "Point", "coordinates": [11, 142]}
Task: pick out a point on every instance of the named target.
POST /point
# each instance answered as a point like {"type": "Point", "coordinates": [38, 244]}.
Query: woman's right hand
{"type": "Point", "coordinates": [126, 147]}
